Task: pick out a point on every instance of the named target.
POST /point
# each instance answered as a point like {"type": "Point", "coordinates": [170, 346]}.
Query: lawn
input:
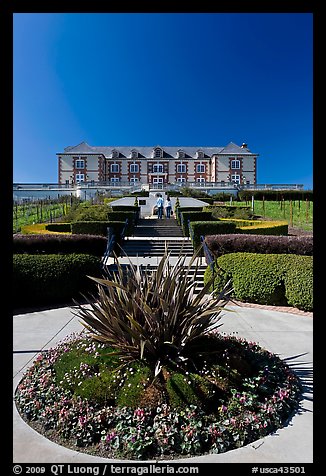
{"type": "Point", "coordinates": [38, 212]}
{"type": "Point", "coordinates": [298, 213]}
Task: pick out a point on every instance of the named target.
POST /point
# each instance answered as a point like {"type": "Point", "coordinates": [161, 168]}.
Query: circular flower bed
{"type": "Point", "coordinates": [79, 395]}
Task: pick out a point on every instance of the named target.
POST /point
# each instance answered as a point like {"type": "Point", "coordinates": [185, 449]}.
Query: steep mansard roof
{"type": "Point", "coordinates": [168, 151]}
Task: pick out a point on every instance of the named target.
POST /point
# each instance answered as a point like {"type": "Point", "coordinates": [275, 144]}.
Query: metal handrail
{"type": "Point", "coordinates": [124, 229]}
{"type": "Point", "coordinates": [209, 257]}
{"type": "Point", "coordinates": [191, 231]}
{"type": "Point", "coordinates": [111, 242]}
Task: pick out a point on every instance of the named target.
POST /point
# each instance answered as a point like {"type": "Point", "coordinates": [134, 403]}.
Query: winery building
{"type": "Point", "coordinates": [157, 165]}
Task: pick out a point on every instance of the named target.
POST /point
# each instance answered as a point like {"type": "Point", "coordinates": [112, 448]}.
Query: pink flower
{"type": "Point", "coordinates": [110, 437]}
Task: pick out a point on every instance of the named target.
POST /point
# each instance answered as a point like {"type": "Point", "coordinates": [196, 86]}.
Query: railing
{"type": "Point", "coordinates": [160, 186]}
{"type": "Point", "coordinates": [207, 253]}
{"type": "Point", "coordinates": [112, 242]}
{"type": "Point", "coordinates": [271, 186]}
{"type": "Point", "coordinates": [72, 186]}
{"type": "Point", "coordinates": [124, 229]}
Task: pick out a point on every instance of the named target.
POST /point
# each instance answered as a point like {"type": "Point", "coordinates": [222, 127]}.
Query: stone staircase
{"type": "Point", "coordinates": [152, 237]}
{"type": "Point", "coordinates": [155, 228]}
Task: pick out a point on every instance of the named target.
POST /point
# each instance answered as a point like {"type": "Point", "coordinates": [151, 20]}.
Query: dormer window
{"type": "Point", "coordinates": [115, 154]}
{"type": "Point", "coordinates": [134, 154]}
{"type": "Point", "coordinates": [158, 153]}
{"type": "Point", "coordinates": [181, 154]}
{"type": "Point", "coordinates": [200, 154]}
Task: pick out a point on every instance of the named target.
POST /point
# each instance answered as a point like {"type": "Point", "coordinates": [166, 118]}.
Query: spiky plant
{"type": "Point", "coordinates": [156, 316]}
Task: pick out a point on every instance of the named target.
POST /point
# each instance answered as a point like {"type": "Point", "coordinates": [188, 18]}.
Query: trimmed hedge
{"type": "Point", "coordinates": [222, 244]}
{"type": "Point", "coordinates": [59, 227]}
{"type": "Point", "coordinates": [274, 279]}
{"type": "Point", "coordinates": [180, 210]}
{"type": "Point", "coordinates": [128, 208]}
{"type": "Point", "coordinates": [96, 227]}
{"type": "Point", "coordinates": [275, 195]}
{"type": "Point", "coordinates": [298, 282]}
{"type": "Point", "coordinates": [52, 279]}
{"type": "Point", "coordinates": [193, 216]}
{"type": "Point", "coordinates": [260, 227]}
{"type": "Point", "coordinates": [123, 216]}
{"type": "Point", "coordinates": [202, 228]}
{"type": "Point", "coordinates": [59, 243]}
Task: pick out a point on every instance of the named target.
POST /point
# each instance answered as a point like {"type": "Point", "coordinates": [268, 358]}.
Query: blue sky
{"type": "Point", "coordinates": [178, 79]}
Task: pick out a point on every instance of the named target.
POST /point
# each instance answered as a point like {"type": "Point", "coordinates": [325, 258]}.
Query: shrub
{"type": "Point", "coordinates": [58, 227]}
{"type": "Point", "coordinates": [38, 228]}
{"type": "Point", "coordinates": [52, 279]}
{"type": "Point", "coordinates": [59, 243]}
{"type": "Point", "coordinates": [222, 244]}
{"type": "Point", "coordinates": [202, 228]}
{"type": "Point", "coordinates": [185, 216]}
{"type": "Point", "coordinates": [298, 282]}
{"type": "Point", "coordinates": [273, 279]}
{"type": "Point", "coordinates": [266, 228]}
{"type": "Point", "coordinates": [275, 195]}
{"type": "Point", "coordinates": [260, 227]}
{"type": "Point", "coordinates": [96, 227]}
{"type": "Point", "coordinates": [91, 213]}
{"type": "Point", "coordinates": [180, 210]}
{"type": "Point", "coordinates": [131, 216]}
{"type": "Point", "coordinates": [230, 211]}
{"type": "Point", "coordinates": [155, 316]}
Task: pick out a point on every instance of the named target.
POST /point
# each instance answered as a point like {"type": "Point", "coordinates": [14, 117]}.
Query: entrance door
{"type": "Point", "coordinates": [158, 182]}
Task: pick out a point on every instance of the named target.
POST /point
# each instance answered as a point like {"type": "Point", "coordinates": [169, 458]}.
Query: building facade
{"type": "Point", "coordinates": [157, 165]}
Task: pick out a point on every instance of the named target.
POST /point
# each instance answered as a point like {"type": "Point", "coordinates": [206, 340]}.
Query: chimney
{"type": "Point", "coordinates": [244, 145]}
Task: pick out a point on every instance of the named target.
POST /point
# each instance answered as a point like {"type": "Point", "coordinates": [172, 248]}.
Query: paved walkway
{"type": "Point", "coordinates": [287, 332]}
{"type": "Point", "coordinates": [288, 335]}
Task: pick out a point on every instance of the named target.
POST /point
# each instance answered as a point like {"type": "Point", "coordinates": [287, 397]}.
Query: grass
{"type": "Point", "coordinates": [40, 229]}
{"type": "Point", "coordinates": [37, 213]}
{"type": "Point", "coordinates": [297, 213]}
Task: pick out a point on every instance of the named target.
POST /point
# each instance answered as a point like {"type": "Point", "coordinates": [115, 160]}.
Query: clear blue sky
{"type": "Point", "coordinates": [178, 79]}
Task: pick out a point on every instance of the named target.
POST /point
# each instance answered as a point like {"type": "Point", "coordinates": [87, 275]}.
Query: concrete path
{"type": "Point", "coordinates": [146, 209]}
{"type": "Point", "coordinates": [288, 335]}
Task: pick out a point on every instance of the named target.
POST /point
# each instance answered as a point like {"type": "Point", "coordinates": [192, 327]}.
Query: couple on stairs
{"type": "Point", "coordinates": [160, 204]}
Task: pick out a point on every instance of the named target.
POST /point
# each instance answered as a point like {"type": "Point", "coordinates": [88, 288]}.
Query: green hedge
{"type": "Point", "coordinates": [230, 211]}
{"type": "Point", "coordinates": [202, 228]}
{"type": "Point", "coordinates": [122, 216]}
{"type": "Point", "coordinates": [96, 227]}
{"type": "Point", "coordinates": [58, 227]}
{"type": "Point", "coordinates": [260, 227]}
{"type": "Point", "coordinates": [275, 195]}
{"type": "Point", "coordinates": [193, 216]}
{"type": "Point", "coordinates": [274, 279]}
{"type": "Point", "coordinates": [52, 279]}
{"type": "Point", "coordinates": [180, 210]}
{"type": "Point", "coordinates": [59, 243]}
{"type": "Point", "coordinates": [298, 282]}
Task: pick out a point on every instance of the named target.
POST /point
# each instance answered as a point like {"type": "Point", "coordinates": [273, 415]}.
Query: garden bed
{"type": "Point", "coordinates": [242, 394]}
